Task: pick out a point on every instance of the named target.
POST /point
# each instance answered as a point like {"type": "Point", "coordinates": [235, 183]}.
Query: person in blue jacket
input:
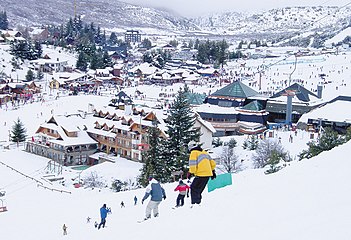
{"type": "Point", "coordinates": [103, 213]}
{"type": "Point", "coordinates": [157, 193]}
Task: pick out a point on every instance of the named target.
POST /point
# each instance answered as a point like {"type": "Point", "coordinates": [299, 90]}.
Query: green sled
{"type": "Point", "coordinates": [221, 180]}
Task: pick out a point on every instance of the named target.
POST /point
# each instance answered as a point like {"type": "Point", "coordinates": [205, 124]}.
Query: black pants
{"type": "Point", "coordinates": [180, 200]}
{"type": "Point", "coordinates": [197, 187]}
{"type": "Point", "coordinates": [103, 221]}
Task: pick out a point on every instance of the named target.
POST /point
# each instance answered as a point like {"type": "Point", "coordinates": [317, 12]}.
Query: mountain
{"type": "Point", "coordinates": [278, 23]}
{"type": "Point", "coordinates": [106, 13]}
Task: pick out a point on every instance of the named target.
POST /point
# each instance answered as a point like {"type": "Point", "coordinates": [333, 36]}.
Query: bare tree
{"type": "Point", "coordinates": [229, 160]}
{"type": "Point", "coordinates": [268, 149]}
{"type": "Point", "coordinates": [94, 180]}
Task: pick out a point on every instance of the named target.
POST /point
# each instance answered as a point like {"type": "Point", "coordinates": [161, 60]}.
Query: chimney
{"type": "Point", "coordinates": [319, 91]}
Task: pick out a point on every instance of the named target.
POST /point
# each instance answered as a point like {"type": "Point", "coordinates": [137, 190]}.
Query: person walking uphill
{"type": "Point", "coordinates": [103, 214]}
{"type": "Point", "coordinates": [203, 167]}
{"type": "Point", "coordinates": [183, 190]}
{"type": "Point", "coordinates": [157, 193]}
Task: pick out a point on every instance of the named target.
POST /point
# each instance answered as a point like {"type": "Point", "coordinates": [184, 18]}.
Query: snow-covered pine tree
{"type": "Point", "coordinates": [180, 130]}
{"type": "Point", "coordinates": [152, 158]}
{"type": "Point", "coordinates": [18, 133]}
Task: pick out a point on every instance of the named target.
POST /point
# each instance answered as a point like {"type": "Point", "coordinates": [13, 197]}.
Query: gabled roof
{"type": "Point", "coordinates": [301, 93]}
{"type": "Point", "coordinates": [235, 90]}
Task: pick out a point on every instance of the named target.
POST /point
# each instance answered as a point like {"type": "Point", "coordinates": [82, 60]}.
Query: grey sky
{"type": "Point", "coordinates": [190, 8]}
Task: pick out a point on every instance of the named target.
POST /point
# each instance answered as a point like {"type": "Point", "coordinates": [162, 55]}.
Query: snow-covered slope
{"type": "Point", "coordinates": [106, 13]}
{"type": "Point", "coordinates": [307, 200]}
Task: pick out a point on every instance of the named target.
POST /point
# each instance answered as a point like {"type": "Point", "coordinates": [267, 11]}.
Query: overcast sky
{"type": "Point", "coordinates": [191, 8]}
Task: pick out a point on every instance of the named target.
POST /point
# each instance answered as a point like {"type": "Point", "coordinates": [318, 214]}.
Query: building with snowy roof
{"type": "Point", "coordinates": [333, 114]}
{"type": "Point", "coordinates": [64, 139]}
{"type": "Point", "coordinates": [303, 101]}
{"type": "Point", "coordinates": [235, 109]}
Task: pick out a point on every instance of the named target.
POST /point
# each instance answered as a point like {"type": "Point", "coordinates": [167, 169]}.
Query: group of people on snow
{"type": "Point", "coordinates": [201, 166]}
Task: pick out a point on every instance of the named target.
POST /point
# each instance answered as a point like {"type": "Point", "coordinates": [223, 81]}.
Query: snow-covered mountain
{"type": "Point", "coordinates": [276, 20]}
{"type": "Point", "coordinates": [320, 23]}
{"type": "Point", "coordinates": [302, 26]}
{"type": "Point", "coordinates": [106, 13]}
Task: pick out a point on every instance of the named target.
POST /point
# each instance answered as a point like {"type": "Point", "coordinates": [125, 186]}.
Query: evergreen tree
{"type": "Point", "coordinates": [153, 164]}
{"type": "Point", "coordinates": [82, 63]}
{"type": "Point", "coordinates": [4, 23]}
{"type": "Point", "coordinates": [113, 39]}
{"type": "Point", "coordinates": [29, 75]}
{"type": "Point", "coordinates": [146, 43]}
{"type": "Point", "coordinates": [107, 60]}
{"type": "Point", "coordinates": [180, 129]}
{"type": "Point", "coordinates": [222, 54]}
{"type": "Point", "coordinates": [18, 133]}
{"type": "Point", "coordinates": [328, 140]}
{"type": "Point", "coordinates": [38, 50]}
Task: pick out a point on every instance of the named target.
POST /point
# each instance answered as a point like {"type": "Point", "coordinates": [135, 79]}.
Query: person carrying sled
{"type": "Point", "coordinates": [202, 166]}
{"type": "Point", "coordinates": [103, 213]}
{"type": "Point", "coordinates": [183, 190]}
{"type": "Point", "coordinates": [157, 193]}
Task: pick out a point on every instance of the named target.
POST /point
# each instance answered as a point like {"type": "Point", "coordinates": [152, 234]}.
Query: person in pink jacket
{"type": "Point", "coordinates": [183, 190]}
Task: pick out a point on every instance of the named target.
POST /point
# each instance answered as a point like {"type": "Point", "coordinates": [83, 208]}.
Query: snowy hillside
{"type": "Point", "coordinates": [105, 13]}
{"type": "Point", "coordinates": [277, 21]}
{"type": "Point", "coordinates": [306, 200]}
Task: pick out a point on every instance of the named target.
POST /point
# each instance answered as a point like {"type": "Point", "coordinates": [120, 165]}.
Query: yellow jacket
{"type": "Point", "coordinates": [200, 163]}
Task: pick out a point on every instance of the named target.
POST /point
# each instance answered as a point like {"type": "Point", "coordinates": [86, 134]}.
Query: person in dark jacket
{"type": "Point", "coordinates": [183, 190]}
{"type": "Point", "coordinates": [157, 193]}
{"type": "Point", "coordinates": [203, 167]}
{"type": "Point", "coordinates": [103, 213]}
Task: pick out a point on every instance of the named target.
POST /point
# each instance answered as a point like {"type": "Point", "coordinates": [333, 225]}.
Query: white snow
{"type": "Point", "coordinates": [308, 199]}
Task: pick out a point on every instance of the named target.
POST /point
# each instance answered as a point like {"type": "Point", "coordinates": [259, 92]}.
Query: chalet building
{"type": "Point", "coordinates": [132, 36]}
{"type": "Point", "coordinates": [64, 140]}
{"type": "Point", "coordinates": [46, 64]}
{"type": "Point", "coordinates": [303, 101]}
{"type": "Point", "coordinates": [40, 34]}
{"type": "Point", "coordinates": [122, 133]}
{"type": "Point", "coordinates": [234, 109]}
{"type": "Point", "coordinates": [333, 114]}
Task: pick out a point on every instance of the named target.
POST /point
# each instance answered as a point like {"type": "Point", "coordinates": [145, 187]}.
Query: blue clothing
{"type": "Point", "coordinates": [155, 190]}
{"type": "Point", "coordinates": [103, 212]}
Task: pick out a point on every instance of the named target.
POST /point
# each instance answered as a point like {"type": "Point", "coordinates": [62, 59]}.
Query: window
{"type": "Point", "coordinates": [224, 104]}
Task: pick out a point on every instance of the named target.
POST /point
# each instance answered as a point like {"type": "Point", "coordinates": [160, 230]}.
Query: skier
{"type": "Point", "coordinates": [64, 229]}
{"type": "Point", "coordinates": [157, 193]}
{"type": "Point", "coordinates": [122, 204]}
{"type": "Point", "coordinates": [135, 200]}
{"type": "Point", "coordinates": [103, 214]}
{"type": "Point", "coordinates": [183, 190]}
{"type": "Point", "coordinates": [203, 167]}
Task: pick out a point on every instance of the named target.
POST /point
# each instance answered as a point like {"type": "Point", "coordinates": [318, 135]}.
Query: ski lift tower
{"type": "Point", "coordinates": [290, 95]}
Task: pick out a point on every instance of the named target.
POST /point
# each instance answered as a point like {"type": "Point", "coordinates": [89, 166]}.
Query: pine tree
{"type": "Point", "coordinates": [82, 62]}
{"type": "Point", "coordinates": [30, 76]}
{"type": "Point", "coordinates": [152, 158]}
{"type": "Point", "coordinates": [113, 39]}
{"type": "Point", "coordinates": [328, 140]}
{"type": "Point", "coordinates": [18, 133]}
{"type": "Point", "coordinates": [4, 23]}
{"type": "Point", "coordinates": [180, 129]}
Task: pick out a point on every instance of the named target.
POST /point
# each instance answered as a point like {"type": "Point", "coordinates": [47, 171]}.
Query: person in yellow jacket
{"type": "Point", "coordinates": [202, 166]}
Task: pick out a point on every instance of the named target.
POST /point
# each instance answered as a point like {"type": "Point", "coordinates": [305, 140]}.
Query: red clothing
{"type": "Point", "coordinates": [182, 188]}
